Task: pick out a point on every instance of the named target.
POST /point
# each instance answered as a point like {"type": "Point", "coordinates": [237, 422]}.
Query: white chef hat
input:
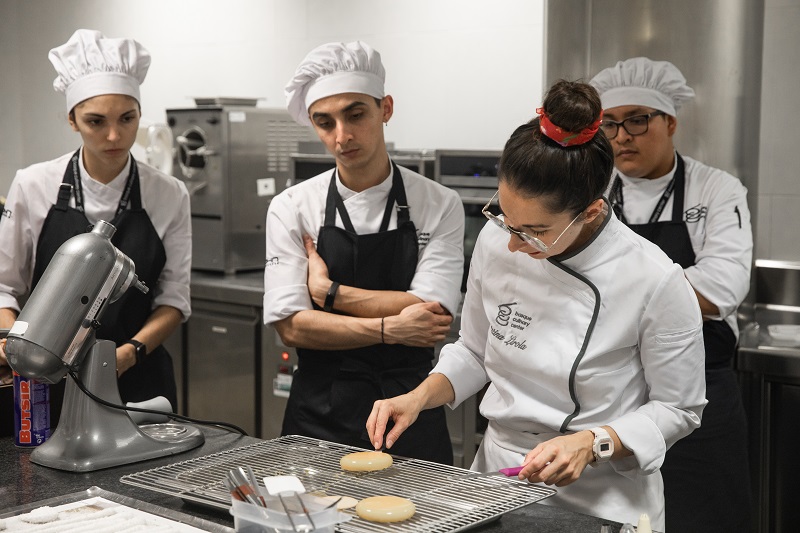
{"type": "Point", "coordinates": [334, 68]}
{"type": "Point", "coordinates": [642, 81]}
{"type": "Point", "coordinates": [89, 64]}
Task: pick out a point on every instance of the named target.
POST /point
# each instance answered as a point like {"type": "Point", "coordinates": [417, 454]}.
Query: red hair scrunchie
{"type": "Point", "coordinates": [567, 138]}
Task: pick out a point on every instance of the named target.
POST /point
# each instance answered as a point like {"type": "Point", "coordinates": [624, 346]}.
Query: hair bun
{"type": "Point", "coordinates": [572, 105]}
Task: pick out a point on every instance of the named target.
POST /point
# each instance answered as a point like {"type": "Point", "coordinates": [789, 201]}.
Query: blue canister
{"type": "Point", "coordinates": [31, 411]}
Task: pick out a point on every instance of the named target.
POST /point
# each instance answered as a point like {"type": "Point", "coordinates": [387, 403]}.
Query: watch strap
{"type": "Point", "coordinates": [141, 349]}
{"type": "Point", "coordinates": [328, 307]}
{"type": "Point", "coordinates": [601, 434]}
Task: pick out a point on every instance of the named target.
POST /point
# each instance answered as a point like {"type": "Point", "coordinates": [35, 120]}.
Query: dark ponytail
{"type": "Point", "coordinates": [568, 178]}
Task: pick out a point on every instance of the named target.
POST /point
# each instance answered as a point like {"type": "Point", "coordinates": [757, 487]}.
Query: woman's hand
{"type": "Point", "coordinates": [318, 280]}
{"type": "Point", "coordinates": [402, 410]}
{"type": "Point", "coordinates": [559, 461]}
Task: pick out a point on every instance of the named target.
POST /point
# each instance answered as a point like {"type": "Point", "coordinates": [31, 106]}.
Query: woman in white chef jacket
{"type": "Point", "coordinates": [588, 334]}
{"type": "Point", "coordinates": [52, 201]}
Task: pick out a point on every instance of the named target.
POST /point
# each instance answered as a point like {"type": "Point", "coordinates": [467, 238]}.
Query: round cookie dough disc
{"type": "Point", "coordinates": [385, 509]}
{"type": "Point", "coordinates": [365, 461]}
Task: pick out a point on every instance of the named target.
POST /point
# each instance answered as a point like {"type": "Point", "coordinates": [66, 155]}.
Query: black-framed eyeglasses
{"type": "Point", "coordinates": [635, 125]}
{"type": "Point", "coordinates": [528, 239]}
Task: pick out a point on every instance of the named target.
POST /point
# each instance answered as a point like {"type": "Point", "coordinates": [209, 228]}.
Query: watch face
{"type": "Point", "coordinates": [605, 447]}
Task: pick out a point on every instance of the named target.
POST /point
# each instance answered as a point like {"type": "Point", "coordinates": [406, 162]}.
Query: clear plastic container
{"type": "Point", "coordinates": [249, 518]}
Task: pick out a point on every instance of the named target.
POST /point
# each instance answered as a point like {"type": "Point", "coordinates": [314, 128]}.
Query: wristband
{"type": "Point", "coordinates": [328, 307]}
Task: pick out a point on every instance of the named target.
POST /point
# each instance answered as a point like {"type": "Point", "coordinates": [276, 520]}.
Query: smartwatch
{"type": "Point", "coordinates": [603, 446]}
{"type": "Point", "coordinates": [141, 349]}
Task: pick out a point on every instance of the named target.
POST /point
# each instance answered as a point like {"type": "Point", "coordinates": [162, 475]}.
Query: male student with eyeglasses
{"type": "Point", "coordinates": [698, 216]}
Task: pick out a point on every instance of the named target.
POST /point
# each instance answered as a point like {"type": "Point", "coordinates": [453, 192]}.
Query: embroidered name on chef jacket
{"type": "Point", "coordinates": [7, 213]}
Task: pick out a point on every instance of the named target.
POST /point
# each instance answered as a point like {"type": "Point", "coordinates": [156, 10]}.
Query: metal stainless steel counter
{"type": "Point", "coordinates": [245, 288]}
{"type": "Point", "coordinates": [23, 483]}
{"type": "Point", "coordinates": [769, 366]}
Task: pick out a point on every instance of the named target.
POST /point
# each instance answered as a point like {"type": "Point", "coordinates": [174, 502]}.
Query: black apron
{"type": "Point", "coordinates": [706, 481]}
{"type": "Point", "coordinates": [333, 390]}
{"type": "Point", "coordinates": [137, 238]}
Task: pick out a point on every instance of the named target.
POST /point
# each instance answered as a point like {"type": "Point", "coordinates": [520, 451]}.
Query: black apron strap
{"type": "Point", "coordinates": [679, 179]}
{"type": "Point", "coordinates": [334, 203]}
{"type": "Point", "coordinates": [397, 194]}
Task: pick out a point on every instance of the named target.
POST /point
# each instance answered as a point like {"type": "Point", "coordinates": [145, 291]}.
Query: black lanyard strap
{"type": "Point", "coordinates": [618, 200]}
{"type": "Point", "coordinates": [72, 178]}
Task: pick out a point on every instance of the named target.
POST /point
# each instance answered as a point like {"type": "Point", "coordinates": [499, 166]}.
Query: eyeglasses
{"type": "Point", "coordinates": [528, 239]}
{"type": "Point", "coordinates": [635, 125]}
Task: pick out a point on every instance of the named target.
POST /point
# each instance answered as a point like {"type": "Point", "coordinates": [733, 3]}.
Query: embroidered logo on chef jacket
{"type": "Point", "coordinates": [272, 261]}
{"type": "Point", "coordinates": [423, 238]}
{"type": "Point", "coordinates": [7, 213]}
{"type": "Point", "coordinates": [504, 313]}
{"type": "Point", "coordinates": [696, 213]}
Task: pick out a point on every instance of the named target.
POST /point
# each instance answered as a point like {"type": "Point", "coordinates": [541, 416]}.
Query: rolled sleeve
{"type": "Point", "coordinates": [174, 282]}
{"type": "Point", "coordinates": [286, 270]}
{"type": "Point", "coordinates": [673, 359]}
{"type": "Point", "coordinates": [722, 268]}
{"type": "Point", "coordinates": [463, 369]}
{"type": "Point", "coordinates": [16, 248]}
{"type": "Point", "coordinates": [441, 264]}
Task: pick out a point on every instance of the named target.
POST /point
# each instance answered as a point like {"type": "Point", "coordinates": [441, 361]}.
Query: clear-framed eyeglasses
{"type": "Point", "coordinates": [528, 239]}
{"type": "Point", "coordinates": [635, 125]}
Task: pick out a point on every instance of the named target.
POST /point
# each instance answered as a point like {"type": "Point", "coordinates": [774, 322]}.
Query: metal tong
{"type": "Point", "coordinates": [243, 486]}
{"type": "Point", "coordinates": [302, 527]}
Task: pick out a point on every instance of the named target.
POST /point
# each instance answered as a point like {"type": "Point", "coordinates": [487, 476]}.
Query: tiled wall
{"type": "Point", "coordinates": [777, 200]}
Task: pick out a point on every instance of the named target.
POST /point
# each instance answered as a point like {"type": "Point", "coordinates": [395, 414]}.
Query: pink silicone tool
{"type": "Point", "coordinates": [509, 472]}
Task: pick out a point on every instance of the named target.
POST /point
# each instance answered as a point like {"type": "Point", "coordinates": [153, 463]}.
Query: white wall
{"type": "Point", "coordinates": [779, 180]}
{"type": "Point", "coordinates": [463, 73]}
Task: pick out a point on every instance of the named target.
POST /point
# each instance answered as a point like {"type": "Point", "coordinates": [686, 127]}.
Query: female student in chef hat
{"type": "Point", "coordinates": [589, 335]}
{"type": "Point", "coordinates": [53, 201]}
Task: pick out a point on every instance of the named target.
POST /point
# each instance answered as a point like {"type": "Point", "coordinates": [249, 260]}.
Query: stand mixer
{"type": "Point", "coordinates": [55, 333]}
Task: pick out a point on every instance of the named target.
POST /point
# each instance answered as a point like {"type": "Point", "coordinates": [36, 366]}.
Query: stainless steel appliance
{"type": "Point", "coordinates": [769, 362]}
{"type": "Point", "coordinates": [311, 159]}
{"type": "Point", "coordinates": [473, 174]}
{"type": "Point", "coordinates": [233, 158]}
{"type": "Point", "coordinates": [278, 363]}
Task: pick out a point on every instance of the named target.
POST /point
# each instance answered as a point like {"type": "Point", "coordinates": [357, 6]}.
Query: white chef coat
{"type": "Point", "coordinates": [718, 221]}
{"type": "Point", "coordinates": [35, 190]}
{"type": "Point", "coordinates": [436, 211]}
{"type": "Point", "coordinates": [523, 326]}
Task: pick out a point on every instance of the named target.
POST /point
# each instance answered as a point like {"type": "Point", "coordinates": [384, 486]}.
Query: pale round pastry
{"type": "Point", "coordinates": [365, 461]}
{"type": "Point", "coordinates": [385, 509]}
{"type": "Point", "coordinates": [343, 502]}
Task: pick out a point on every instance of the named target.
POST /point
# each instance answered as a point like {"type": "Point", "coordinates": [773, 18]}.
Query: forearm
{"type": "Point", "coordinates": [435, 391]}
{"type": "Point", "coordinates": [317, 330]}
{"type": "Point", "coordinates": [7, 318]}
{"type": "Point", "coordinates": [421, 324]}
{"type": "Point", "coordinates": [706, 307]}
{"type": "Point", "coordinates": [371, 304]}
{"type": "Point", "coordinates": [159, 326]}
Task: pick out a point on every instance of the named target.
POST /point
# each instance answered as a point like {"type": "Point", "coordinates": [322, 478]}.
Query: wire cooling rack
{"type": "Point", "coordinates": [447, 498]}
